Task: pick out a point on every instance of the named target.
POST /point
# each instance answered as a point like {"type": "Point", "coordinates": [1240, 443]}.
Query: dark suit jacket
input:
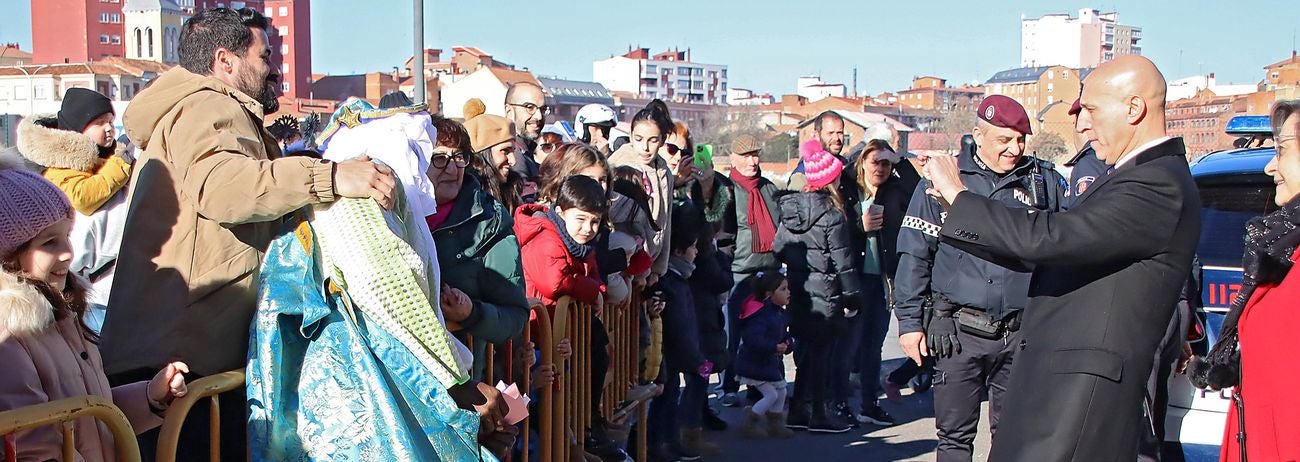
{"type": "Point", "coordinates": [1107, 275]}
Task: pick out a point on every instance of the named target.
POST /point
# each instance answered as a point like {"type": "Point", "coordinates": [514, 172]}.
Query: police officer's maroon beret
{"type": "Point", "coordinates": [1004, 112]}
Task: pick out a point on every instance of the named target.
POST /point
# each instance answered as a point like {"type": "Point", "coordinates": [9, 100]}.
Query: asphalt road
{"type": "Point", "coordinates": [913, 439]}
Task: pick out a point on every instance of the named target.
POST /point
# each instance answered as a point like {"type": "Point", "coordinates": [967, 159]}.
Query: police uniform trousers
{"type": "Point", "coordinates": [960, 384]}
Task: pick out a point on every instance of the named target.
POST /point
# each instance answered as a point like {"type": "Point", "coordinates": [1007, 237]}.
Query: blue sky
{"type": "Point", "coordinates": [769, 43]}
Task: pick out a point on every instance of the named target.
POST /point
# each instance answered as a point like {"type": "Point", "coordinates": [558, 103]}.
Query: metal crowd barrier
{"type": "Point", "coordinates": [65, 412]}
{"type": "Point", "coordinates": [207, 387]}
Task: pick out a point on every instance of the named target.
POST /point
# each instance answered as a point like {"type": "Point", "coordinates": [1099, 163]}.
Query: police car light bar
{"type": "Point", "coordinates": [1249, 125]}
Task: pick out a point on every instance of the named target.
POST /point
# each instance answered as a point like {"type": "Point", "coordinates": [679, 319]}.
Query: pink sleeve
{"type": "Point", "coordinates": [134, 402]}
{"type": "Point", "coordinates": [20, 386]}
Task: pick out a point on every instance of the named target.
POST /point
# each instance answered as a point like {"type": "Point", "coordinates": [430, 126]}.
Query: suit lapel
{"type": "Point", "coordinates": [1170, 147]}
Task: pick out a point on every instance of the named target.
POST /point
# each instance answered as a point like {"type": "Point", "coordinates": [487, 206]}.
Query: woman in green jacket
{"type": "Point", "coordinates": [477, 250]}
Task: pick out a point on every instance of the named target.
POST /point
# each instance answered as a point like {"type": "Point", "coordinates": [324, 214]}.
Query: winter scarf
{"type": "Point", "coordinates": [578, 251]}
{"type": "Point", "coordinates": [759, 219]}
{"type": "Point", "coordinates": [1271, 240]}
{"type": "Point", "coordinates": [681, 265]}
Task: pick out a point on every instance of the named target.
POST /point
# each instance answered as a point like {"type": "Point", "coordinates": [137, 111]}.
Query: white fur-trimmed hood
{"type": "Point", "coordinates": [23, 310]}
{"type": "Point", "coordinates": [41, 141]}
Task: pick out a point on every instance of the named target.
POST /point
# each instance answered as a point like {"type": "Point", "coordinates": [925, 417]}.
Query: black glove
{"type": "Point", "coordinates": [941, 336]}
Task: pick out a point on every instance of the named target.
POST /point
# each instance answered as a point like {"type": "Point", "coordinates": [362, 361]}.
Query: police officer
{"type": "Point", "coordinates": [1085, 167]}
{"type": "Point", "coordinates": [961, 309]}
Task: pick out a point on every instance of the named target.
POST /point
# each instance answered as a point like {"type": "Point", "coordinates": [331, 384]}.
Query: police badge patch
{"type": "Point", "coordinates": [1081, 186]}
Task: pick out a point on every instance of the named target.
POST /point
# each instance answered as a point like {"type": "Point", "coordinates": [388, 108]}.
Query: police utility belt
{"type": "Point", "coordinates": [977, 322]}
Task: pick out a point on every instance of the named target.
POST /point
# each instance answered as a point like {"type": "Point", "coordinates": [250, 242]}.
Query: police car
{"type": "Point", "coordinates": [1233, 189]}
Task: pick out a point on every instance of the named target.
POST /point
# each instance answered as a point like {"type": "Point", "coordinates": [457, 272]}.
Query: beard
{"type": "Point", "coordinates": [262, 90]}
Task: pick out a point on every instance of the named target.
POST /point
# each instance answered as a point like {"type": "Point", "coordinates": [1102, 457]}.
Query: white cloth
{"type": "Point", "coordinates": [404, 142]}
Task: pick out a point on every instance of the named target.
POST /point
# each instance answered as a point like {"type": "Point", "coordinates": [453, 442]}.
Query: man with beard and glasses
{"type": "Point", "coordinates": [526, 108]}
{"type": "Point", "coordinates": [210, 191]}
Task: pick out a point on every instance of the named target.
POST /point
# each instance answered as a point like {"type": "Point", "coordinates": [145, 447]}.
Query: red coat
{"type": "Point", "coordinates": [1270, 373]}
{"type": "Point", "coordinates": [550, 271]}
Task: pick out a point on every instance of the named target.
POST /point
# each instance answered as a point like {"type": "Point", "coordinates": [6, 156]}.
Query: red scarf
{"type": "Point", "coordinates": [759, 218]}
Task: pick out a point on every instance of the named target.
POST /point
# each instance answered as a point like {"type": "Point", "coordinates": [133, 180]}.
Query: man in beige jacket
{"type": "Point", "coordinates": [211, 189]}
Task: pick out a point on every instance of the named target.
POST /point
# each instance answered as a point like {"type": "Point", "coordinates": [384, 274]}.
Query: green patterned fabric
{"type": "Point", "coordinates": [388, 280]}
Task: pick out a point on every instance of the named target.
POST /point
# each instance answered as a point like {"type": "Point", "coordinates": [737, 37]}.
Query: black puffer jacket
{"type": "Point", "coordinates": [813, 240]}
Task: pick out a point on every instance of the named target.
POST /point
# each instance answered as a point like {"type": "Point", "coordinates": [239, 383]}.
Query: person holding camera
{"type": "Point", "coordinates": [956, 307]}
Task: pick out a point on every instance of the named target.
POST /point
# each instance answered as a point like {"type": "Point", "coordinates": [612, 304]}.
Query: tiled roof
{"type": "Point", "coordinates": [511, 76]}
{"type": "Point", "coordinates": [574, 90]}
{"type": "Point", "coordinates": [1018, 75]}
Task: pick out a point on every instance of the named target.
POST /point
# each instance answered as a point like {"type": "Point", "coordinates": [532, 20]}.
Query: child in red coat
{"type": "Point", "coordinates": [555, 242]}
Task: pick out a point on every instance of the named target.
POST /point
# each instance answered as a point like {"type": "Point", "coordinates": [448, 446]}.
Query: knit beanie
{"type": "Point", "coordinates": [819, 167]}
{"type": "Point", "coordinates": [31, 204]}
{"type": "Point", "coordinates": [485, 130]}
{"type": "Point", "coordinates": [80, 106]}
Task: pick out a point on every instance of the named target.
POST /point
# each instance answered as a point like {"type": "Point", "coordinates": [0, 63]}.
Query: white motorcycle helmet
{"type": "Point", "coordinates": [593, 114]}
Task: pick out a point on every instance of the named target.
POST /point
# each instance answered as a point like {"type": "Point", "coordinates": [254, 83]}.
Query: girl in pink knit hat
{"type": "Point", "coordinates": [48, 351]}
{"type": "Point", "coordinates": [813, 241]}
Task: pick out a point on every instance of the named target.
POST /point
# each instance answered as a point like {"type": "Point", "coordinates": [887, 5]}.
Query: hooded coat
{"type": "Point", "coordinates": [550, 270]}
{"type": "Point", "coordinates": [814, 241]}
{"type": "Point", "coordinates": [209, 193]}
{"type": "Point", "coordinates": [94, 186]}
{"type": "Point", "coordinates": [71, 161]}
{"type": "Point", "coordinates": [46, 360]}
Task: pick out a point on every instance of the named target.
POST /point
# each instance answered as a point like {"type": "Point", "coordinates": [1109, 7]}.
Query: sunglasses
{"type": "Point", "coordinates": [441, 161]}
{"type": "Point", "coordinates": [548, 147]}
{"type": "Point", "coordinates": [672, 149]}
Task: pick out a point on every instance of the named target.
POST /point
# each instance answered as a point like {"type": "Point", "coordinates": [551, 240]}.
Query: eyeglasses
{"type": "Point", "coordinates": [532, 108]}
{"type": "Point", "coordinates": [440, 161]}
{"type": "Point", "coordinates": [548, 147]}
{"type": "Point", "coordinates": [672, 149]}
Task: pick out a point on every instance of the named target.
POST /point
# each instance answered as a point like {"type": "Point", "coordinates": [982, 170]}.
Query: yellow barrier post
{"type": "Point", "coordinates": [207, 387]}
{"type": "Point", "coordinates": [65, 412]}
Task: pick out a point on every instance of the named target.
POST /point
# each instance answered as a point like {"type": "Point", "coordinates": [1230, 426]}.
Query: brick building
{"type": "Point", "coordinates": [1035, 88]}
{"type": "Point", "coordinates": [76, 31]}
{"type": "Point", "coordinates": [1199, 120]}
{"type": "Point", "coordinates": [934, 94]}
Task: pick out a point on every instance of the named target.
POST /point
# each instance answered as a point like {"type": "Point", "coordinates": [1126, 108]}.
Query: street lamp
{"type": "Point", "coordinates": [31, 87]}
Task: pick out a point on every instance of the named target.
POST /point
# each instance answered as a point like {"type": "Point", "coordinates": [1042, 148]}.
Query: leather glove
{"type": "Point", "coordinates": [941, 336]}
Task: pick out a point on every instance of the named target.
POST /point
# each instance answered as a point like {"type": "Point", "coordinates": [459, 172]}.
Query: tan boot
{"type": "Point", "coordinates": [752, 427]}
{"type": "Point", "coordinates": [776, 426]}
{"type": "Point", "coordinates": [693, 441]}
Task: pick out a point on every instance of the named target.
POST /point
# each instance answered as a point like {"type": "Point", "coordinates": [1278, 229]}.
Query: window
{"type": "Point", "coordinates": [284, 11]}
{"type": "Point", "coordinates": [699, 85]}
{"type": "Point", "coordinates": [284, 87]}
{"type": "Point", "coordinates": [651, 68]}
{"type": "Point", "coordinates": [267, 12]}
{"type": "Point", "coordinates": [103, 18]}
{"type": "Point", "coordinates": [284, 49]}
{"type": "Point", "coordinates": [284, 68]}
{"type": "Point", "coordinates": [1065, 74]}
{"type": "Point", "coordinates": [699, 72]}
{"type": "Point", "coordinates": [668, 71]}
{"type": "Point", "coordinates": [284, 30]}
{"type": "Point", "coordinates": [103, 38]}
{"type": "Point", "coordinates": [117, 39]}
{"type": "Point", "coordinates": [1276, 75]}
{"type": "Point", "coordinates": [1050, 86]}
{"type": "Point", "coordinates": [20, 92]}
{"type": "Point", "coordinates": [149, 34]}
{"type": "Point", "coordinates": [139, 43]}
{"type": "Point", "coordinates": [117, 18]}
{"type": "Point", "coordinates": [42, 91]}
{"type": "Point", "coordinates": [724, 73]}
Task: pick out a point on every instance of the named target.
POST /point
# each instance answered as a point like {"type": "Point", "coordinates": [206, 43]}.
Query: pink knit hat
{"type": "Point", "coordinates": [31, 204]}
{"type": "Point", "coordinates": [819, 167]}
